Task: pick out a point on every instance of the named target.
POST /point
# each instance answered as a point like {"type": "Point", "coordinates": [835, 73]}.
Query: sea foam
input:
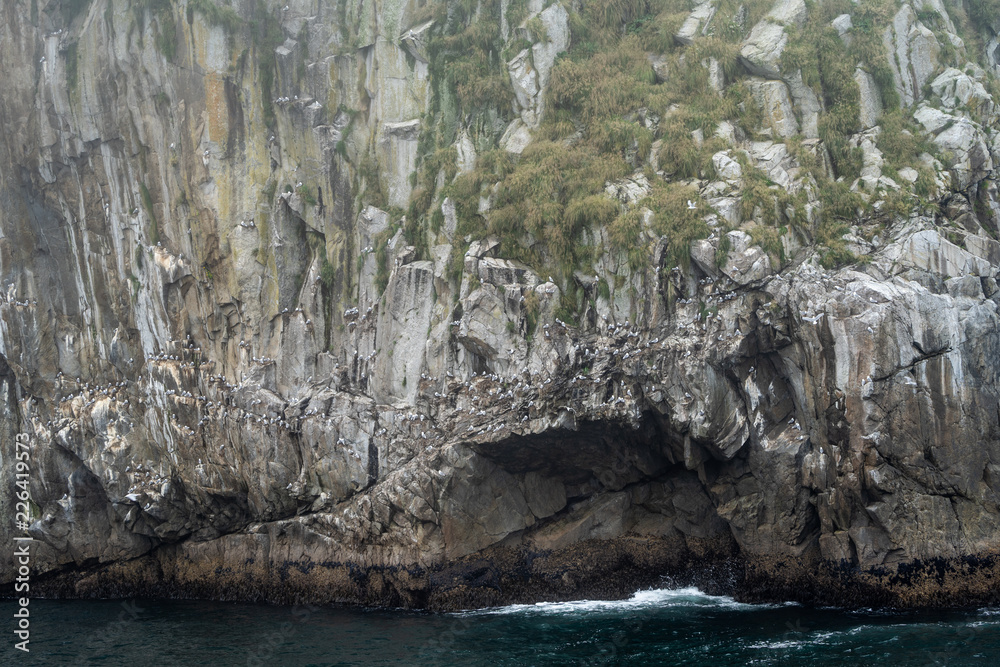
{"type": "Point", "coordinates": [657, 598]}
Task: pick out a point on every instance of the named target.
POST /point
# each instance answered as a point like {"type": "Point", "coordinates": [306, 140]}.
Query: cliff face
{"type": "Point", "coordinates": [277, 311]}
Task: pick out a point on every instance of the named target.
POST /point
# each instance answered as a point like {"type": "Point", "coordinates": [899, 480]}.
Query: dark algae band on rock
{"type": "Point", "coordinates": [445, 305]}
{"type": "Point", "coordinates": [594, 569]}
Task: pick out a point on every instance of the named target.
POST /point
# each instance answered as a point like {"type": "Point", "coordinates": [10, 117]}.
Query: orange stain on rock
{"type": "Point", "coordinates": [218, 111]}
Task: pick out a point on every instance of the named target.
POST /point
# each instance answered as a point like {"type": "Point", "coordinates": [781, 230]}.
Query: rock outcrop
{"type": "Point", "coordinates": [251, 367]}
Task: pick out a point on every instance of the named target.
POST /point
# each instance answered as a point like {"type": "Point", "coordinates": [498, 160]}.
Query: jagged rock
{"type": "Point", "coordinates": [524, 79]}
{"type": "Point", "coordinates": [172, 267]}
{"type": "Point", "coordinates": [746, 262]}
{"type": "Point", "coordinates": [933, 120]}
{"type": "Point", "coordinates": [402, 329]}
{"type": "Point", "coordinates": [971, 160]}
{"type": "Point", "coordinates": [958, 89]}
{"type": "Point", "coordinates": [929, 251]}
{"type": "Point", "coordinates": [963, 140]}
{"type": "Point", "coordinates": [479, 249]}
{"type": "Point", "coordinates": [938, 7]}
{"type": "Point", "coordinates": [773, 159]}
{"type": "Point", "coordinates": [993, 52]}
{"type": "Point", "coordinates": [726, 131]}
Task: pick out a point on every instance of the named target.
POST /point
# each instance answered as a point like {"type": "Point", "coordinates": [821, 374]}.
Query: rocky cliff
{"type": "Point", "coordinates": [455, 303]}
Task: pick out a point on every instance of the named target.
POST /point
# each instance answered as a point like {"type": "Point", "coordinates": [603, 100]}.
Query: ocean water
{"type": "Point", "coordinates": [655, 627]}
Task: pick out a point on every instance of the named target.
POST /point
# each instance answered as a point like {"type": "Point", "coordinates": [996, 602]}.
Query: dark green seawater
{"type": "Point", "coordinates": [661, 627]}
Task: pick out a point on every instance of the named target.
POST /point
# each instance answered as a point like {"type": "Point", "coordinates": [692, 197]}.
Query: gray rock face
{"type": "Point", "coordinates": [242, 374]}
{"type": "Point", "coordinates": [870, 100]}
{"type": "Point", "coordinates": [912, 51]}
{"type": "Point", "coordinates": [773, 98]}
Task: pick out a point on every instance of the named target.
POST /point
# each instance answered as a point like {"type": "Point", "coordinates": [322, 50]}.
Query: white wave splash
{"type": "Point", "coordinates": [659, 598]}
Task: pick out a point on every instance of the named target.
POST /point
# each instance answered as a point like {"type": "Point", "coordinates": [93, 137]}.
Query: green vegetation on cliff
{"type": "Point", "coordinates": [627, 86]}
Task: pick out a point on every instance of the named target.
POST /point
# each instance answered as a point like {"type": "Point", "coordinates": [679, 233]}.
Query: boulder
{"type": "Point", "coordinates": [516, 137]}
{"type": "Point", "coordinates": [842, 24]}
{"type": "Point", "coordinates": [660, 65]}
{"type": "Point", "coordinates": [726, 167]}
{"type": "Point", "coordinates": [762, 49]}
